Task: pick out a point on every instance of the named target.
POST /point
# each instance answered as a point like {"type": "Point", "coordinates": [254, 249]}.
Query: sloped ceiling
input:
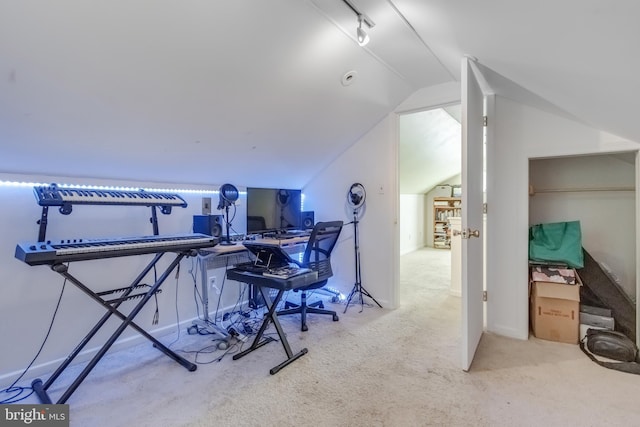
{"type": "Point", "coordinates": [211, 92]}
{"type": "Point", "coordinates": [429, 150]}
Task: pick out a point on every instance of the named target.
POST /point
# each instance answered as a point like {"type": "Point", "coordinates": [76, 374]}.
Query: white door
{"type": "Point", "coordinates": [472, 200]}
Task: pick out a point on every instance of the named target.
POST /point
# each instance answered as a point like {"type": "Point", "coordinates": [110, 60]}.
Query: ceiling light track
{"type": "Point", "coordinates": [361, 35]}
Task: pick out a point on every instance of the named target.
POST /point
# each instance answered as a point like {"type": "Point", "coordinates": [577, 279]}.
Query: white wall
{"type": "Point", "coordinates": [412, 223]}
{"type": "Point", "coordinates": [371, 162]}
{"type": "Point", "coordinates": [29, 294]}
{"type": "Point", "coordinates": [521, 133]}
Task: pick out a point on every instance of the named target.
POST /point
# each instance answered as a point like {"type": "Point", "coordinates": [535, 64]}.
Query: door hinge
{"type": "Point", "coordinates": [484, 208]}
{"type": "Point", "coordinates": [485, 120]}
{"type": "Point", "coordinates": [484, 295]}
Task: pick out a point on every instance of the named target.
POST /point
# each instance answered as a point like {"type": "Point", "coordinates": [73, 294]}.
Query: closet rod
{"type": "Point", "coordinates": [533, 191]}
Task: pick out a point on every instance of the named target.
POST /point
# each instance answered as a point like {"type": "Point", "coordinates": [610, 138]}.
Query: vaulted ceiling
{"type": "Point", "coordinates": [429, 149]}
{"type": "Point", "coordinates": [209, 92]}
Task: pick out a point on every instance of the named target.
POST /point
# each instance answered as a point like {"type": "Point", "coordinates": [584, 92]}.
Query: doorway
{"type": "Point", "coordinates": [429, 157]}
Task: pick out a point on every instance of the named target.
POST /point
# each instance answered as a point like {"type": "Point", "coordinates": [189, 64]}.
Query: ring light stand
{"type": "Point", "coordinates": [283, 198]}
{"type": "Point", "coordinates": [356, 198]}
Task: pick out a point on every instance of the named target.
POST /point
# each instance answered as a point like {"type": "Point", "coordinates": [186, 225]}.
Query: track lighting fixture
{"type": "Point", "coordinates": [363, 37]}
{"type": "Point", "coordinates": [361, 34]}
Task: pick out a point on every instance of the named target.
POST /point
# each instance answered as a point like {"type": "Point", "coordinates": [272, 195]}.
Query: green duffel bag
{"type": "Point", "coordinates": [557, 242]}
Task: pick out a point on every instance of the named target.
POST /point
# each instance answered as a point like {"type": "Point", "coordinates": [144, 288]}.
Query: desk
{"type": "Point", "coordinates": [226, 256]}
{"type": "Point", "coordinates": [283, 243]}
{"type": "Point", "coordinates": [281, 285]}
{"type": "Point", "coordinates": [217, 257]}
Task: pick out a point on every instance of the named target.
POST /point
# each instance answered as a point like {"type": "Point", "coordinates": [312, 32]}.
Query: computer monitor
{"type": "Point", "coordinates": [273, 210]}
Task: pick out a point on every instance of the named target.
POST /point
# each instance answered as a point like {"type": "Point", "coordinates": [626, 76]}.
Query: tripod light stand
{"type": "Point", "coordinates": [283, 198]}
{"type": "Point", "coordinates": [228, 196]}
{"type": "Point", "coordinates": [356, 198]}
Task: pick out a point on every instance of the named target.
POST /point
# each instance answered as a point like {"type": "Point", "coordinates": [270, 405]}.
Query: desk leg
{"type": "Point", "coordinates": [272, 317]}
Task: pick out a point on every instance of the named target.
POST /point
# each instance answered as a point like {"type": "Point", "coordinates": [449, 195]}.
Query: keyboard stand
{"type": "Point", "coordinates": [259, 342]}
{"type": "Point", "coordinates": [264, 284]}
{"type": "Point", "coordinates": [111, 306]}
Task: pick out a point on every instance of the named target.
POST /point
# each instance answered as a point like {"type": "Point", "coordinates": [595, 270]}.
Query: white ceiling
{"type": "Point", "coordinates": [210, 92]}
{"type": "Point", "coordinates": [429, 149]}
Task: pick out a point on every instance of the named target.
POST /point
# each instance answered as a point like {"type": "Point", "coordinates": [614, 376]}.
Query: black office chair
{"type": "Point", "coordinates": [317, 256]}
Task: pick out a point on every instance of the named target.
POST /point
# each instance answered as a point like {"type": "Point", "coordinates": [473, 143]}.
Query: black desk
{"type": "Point", "coordinates": [281, 285]}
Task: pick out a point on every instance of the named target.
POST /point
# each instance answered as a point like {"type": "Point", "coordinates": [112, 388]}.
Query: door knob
{"type": "Point", "coordinates": [465, 234]}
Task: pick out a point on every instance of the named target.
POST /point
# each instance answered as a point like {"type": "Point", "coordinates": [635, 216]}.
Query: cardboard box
{"type": "Point", "coordinates": [442, 191]}
{"type": "Point", "coordinates": [555, 311]}
{"type": "Point", "coordinates": [543, 273]}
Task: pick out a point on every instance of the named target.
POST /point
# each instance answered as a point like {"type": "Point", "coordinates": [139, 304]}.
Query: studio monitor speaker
{"type": "Point", "coordinates": [211, 225]}
{"type": "Point", "coordinates": [308, 219]}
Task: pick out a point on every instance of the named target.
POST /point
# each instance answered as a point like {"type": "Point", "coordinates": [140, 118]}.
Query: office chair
{"type": "Point", "coordinates": [317, 256]}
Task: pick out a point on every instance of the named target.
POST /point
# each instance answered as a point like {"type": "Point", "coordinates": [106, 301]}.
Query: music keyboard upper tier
{"type": "Point", "coordinates": [40, 253]}
{"type": "Point", "coordinates": [53, 195]}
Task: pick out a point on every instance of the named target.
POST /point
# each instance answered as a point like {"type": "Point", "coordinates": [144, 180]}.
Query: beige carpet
{"type": "Point", "coordinates": [375, 367]}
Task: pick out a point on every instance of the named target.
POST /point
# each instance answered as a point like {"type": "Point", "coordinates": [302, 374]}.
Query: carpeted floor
{"type": "Point", "coordinates": [375, 367]}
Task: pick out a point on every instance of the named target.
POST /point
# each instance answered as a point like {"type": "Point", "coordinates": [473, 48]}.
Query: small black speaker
{"type": "Point", "coordinates": [308, 220]}
{"type": "Point", "coordinates": [211, 225]}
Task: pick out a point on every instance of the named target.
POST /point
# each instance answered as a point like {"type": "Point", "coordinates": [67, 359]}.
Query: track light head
{"type": "Point", "coordinates": [363, 37]}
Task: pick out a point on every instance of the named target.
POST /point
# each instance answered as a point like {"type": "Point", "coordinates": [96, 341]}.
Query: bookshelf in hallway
{"type": "Point", "coordinates": [443, 209]}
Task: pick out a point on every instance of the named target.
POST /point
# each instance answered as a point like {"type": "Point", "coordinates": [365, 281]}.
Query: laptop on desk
{"type": "Point", "coordinates": [272, 261]}
{"type": "Point", "coordinates": [268, 256]}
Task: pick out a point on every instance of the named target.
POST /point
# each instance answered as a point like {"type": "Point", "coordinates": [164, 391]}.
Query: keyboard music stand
{"type": "Point", "coordinates": [64, 198]}
{"type": "Point", "coordinates": [281, 285]}
{"type": "Point", "coordinates": [41, 388]}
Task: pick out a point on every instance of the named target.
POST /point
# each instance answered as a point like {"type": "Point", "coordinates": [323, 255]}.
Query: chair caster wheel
{"type": "Point", "coordinates": [304, 328]}
{"type": "Point", "coordinates": [321, 305]}
{"type": "Point", "coordinates": [335, 318]}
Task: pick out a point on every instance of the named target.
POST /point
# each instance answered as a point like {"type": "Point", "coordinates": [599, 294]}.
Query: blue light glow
{"type": "Point", "coordinates": [104, 187]}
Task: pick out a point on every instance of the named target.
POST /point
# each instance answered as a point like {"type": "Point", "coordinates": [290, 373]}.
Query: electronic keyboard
{"type": "Point", "coordinates": [40, 253]}
{"type": "Point", "coordinates": [54, 195]}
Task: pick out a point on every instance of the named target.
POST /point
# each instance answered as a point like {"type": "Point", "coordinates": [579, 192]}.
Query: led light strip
{"type": "Point", "coordinates": [102, 187]}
